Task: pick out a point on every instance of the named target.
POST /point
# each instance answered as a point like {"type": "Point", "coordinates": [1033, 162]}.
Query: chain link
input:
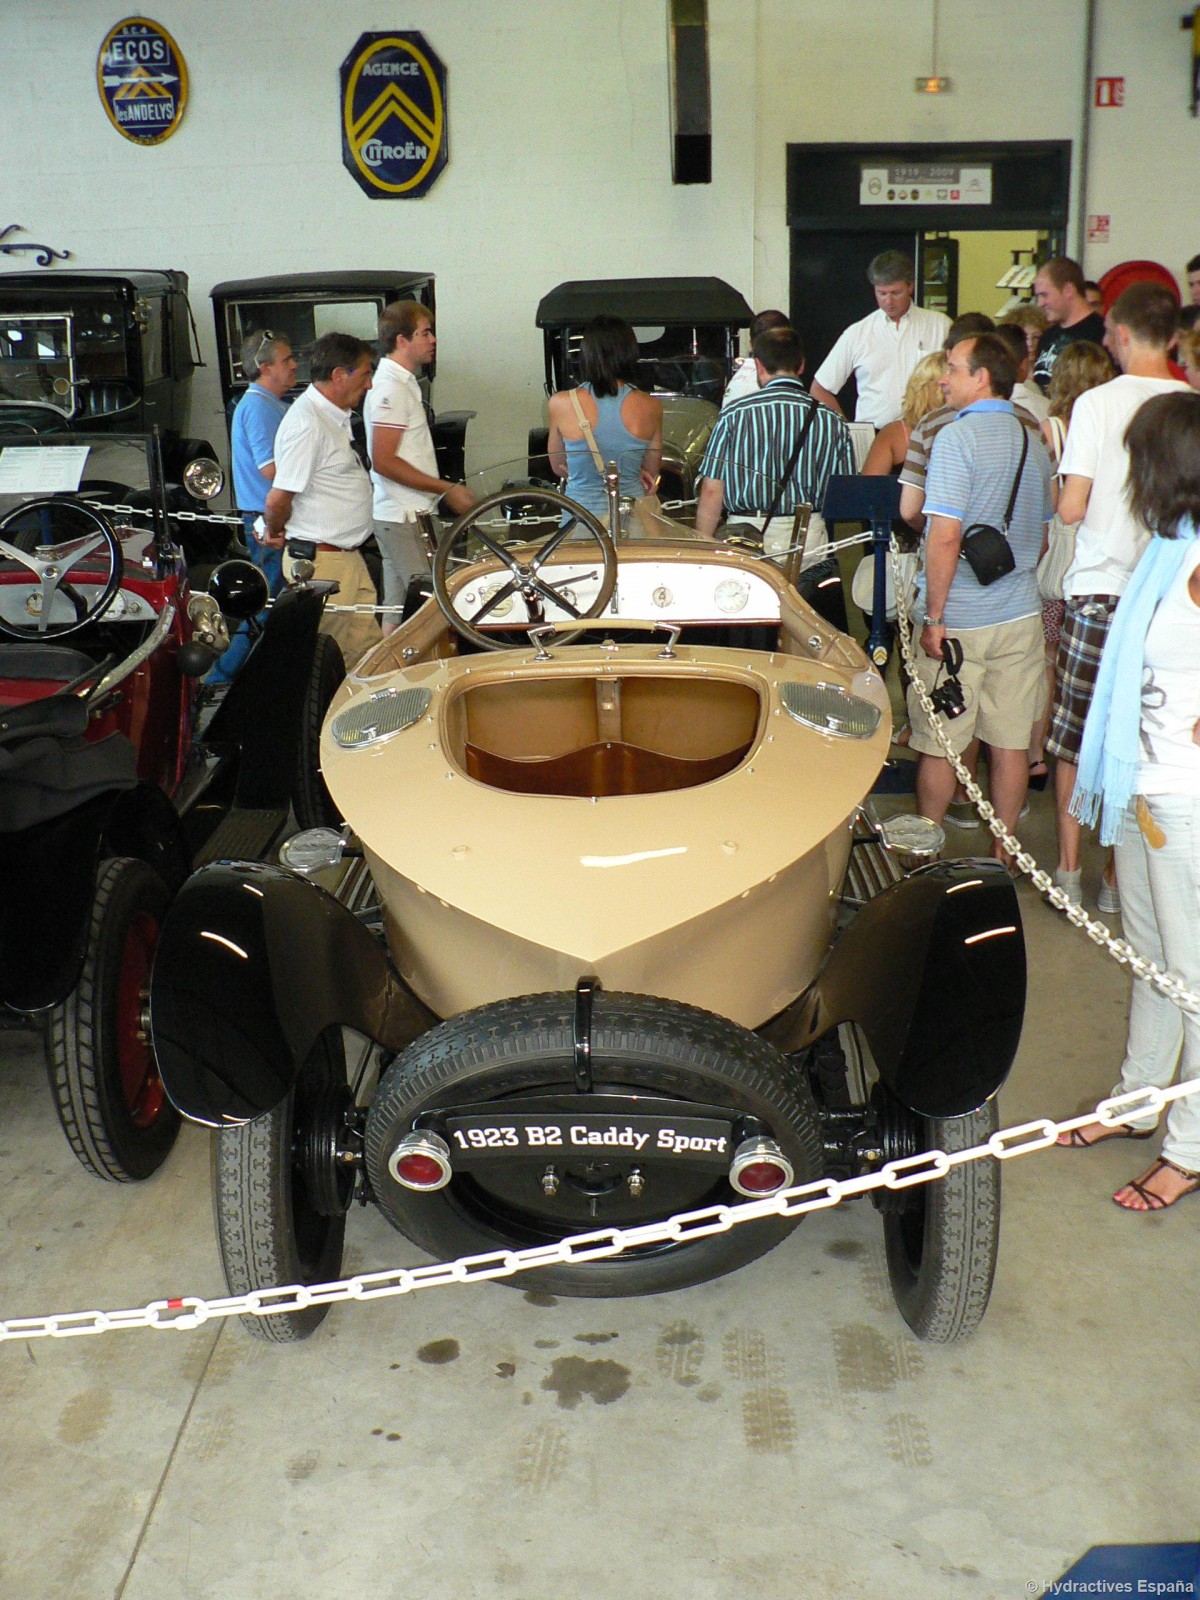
{"type": "Point", "coordinates": [185, 1312]}
{"type": "Point", "coordinates": [1167, 984]}
{"type": "Point", "coordinates": [172, 516]}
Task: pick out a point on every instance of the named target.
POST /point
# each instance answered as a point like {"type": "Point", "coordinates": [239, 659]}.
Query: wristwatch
{"type": "Point", "coordinates": [932, 622]}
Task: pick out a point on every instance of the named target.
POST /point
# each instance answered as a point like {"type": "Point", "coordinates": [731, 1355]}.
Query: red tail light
{"type": "Point", "coordinates": [760, 1167]}
{"type": "Point", "coordinates": [421, 1161]}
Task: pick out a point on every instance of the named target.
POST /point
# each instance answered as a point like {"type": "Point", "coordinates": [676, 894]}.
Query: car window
{"type": "Point", "coordinates": [301, 322]}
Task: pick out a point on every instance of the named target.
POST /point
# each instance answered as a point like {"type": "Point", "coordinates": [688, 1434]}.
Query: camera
{"type": "Point", "coordinates": [948, 698]}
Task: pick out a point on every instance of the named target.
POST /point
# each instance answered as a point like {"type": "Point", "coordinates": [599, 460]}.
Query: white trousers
{"type": "Point", "coordinates": [1160, 913]}
{"type": "Point", "coordinates": [778, 538]}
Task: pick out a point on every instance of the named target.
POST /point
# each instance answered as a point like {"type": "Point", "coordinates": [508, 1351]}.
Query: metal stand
{"type": "Point", "coordinates": [854, 498]}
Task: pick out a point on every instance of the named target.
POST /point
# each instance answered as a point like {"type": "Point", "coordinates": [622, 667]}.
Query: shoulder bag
{"type": "Point", "coordinates": [1053, 567]}
{"type": "Point", "coordinates": [985, 549]}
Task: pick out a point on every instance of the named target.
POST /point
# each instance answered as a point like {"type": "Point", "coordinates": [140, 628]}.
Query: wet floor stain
{"type": "Point", "coordinates": [709, 1393]}
{"type": "Point", "coordinates": [869, 1363]}
{"type": "Point", "coordinates": [539, 1297]}
{"type": "Point", "coordinates": [573, 1379]}
{"type": "Point", "coordinates": [302, 1466]}
{"type": "Point", "coordinates": [768, 1421]}
{"type": "Point", "coordinates": [545, 1344]}
{"type": "Point", "coordinates": [438, 1352]}
{"type": "Point", "coordinates": [392, 1438]}
{"type": "Point", "coordinates": [748, 1356]}
{"type": "Point", "coordinates": [541, 1458]}
{"type": "Point", "coordinates": [85, 1416]}
{"type": "Point", "coordinates": [595, 1338]}
{"type": "Point", "coordinates": [207, 1437]}
{"type": "Point", "coordinates": [907, 1440]}
{"type": "Point", "coordinates": [679, 1353]}
{"type": "Point", "coordinates": [505, 1369]}
{"type": "Point", "coordinates": [845, 1249]}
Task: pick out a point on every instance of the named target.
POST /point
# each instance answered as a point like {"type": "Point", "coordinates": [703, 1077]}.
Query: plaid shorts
{"type": "Point", "coordinates": [1084, 629]}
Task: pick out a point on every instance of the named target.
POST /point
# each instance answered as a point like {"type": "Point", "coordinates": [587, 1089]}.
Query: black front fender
{"type": "Point", "coordinates": [933, 971]}
{"type": "Point", "coordinates": [253, 964]}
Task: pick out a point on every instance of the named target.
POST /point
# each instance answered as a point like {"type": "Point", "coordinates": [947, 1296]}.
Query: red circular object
{"type": "Point", "coordinates": [144, 1093]}
{"type": "Point", "coordinates": [423, 1172]}
{"type": "Point", "coordinates": [762, 1177]}
{"type": "Point", "coordinates": [1117, 279]}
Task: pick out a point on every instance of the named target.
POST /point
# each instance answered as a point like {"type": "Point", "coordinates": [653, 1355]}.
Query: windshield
{"type": "Point", "coordinates": [37, 361]}
{"type": "Point", "coordinates": [301, 323]}
{"type": "Point", "coordinates": [678, 360]}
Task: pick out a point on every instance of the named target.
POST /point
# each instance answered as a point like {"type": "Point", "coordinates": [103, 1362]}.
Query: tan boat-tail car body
{"type": "Point", "coordinates": [633, 943]}
{"type": "Point", "coordinates": [665, 824]}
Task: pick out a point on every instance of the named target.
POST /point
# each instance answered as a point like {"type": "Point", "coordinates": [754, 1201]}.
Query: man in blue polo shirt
{"type": "Point", "coordinates": [972, 468]}
{"type": "Point", "coordinates": [252, 450]}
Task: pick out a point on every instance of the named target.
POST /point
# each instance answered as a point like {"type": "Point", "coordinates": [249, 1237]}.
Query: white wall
{"type": "Point", "coordinates": [559, 152]}
{"type": "Point", "coordinates": [1145, 156]}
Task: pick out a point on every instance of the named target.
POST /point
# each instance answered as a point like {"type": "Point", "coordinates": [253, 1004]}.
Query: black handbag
{"type": "Point", "coordinates": [985, 549]}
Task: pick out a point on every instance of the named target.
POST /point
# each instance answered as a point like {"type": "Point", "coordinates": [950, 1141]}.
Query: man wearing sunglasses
{"type": "Point", "coordinates": [268, 361]}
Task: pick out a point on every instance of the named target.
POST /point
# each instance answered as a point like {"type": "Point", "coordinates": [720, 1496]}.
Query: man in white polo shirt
{"type": "Point", "coordinates": [321, 492]}
{"type": "Point", "coordinates": [400, 447]}
{"type": "Point", "coordinates": [882, 350]}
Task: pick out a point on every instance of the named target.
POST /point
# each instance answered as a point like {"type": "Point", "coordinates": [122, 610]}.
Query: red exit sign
{"type": "Point", "coordinates": [1110, 91]}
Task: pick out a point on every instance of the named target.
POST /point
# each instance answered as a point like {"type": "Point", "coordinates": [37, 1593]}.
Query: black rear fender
{"type": "Point", "coordinates": [253, 964]}
{"type": "Point", "coordinates": [933, 971]}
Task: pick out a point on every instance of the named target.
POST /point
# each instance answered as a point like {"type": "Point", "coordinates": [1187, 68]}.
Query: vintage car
{"type": "Point", "coordinates": [116, 778]}
{"type": "Point", "coordinates": [99, 352]}
{"type": "Point", "coordinates": [300, 307]}
{"type": "Point", "coordinates": [687, 330]}
{"type": "Point", "coordinates": [640, 946]}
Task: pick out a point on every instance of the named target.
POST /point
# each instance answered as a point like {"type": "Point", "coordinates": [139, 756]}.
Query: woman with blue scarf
{"type": "Point", "coordinates": [1139, 768]}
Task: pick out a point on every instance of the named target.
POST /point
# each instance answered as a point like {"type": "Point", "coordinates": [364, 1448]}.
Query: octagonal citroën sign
{"type": "Point", "coordinates": [395, 139]}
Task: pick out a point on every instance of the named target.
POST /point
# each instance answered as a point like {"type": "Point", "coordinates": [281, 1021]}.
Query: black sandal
{"type": "Point", "coordinates": [1155, 1202]}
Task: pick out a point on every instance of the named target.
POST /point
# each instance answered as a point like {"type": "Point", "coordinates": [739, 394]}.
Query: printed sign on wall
{"type": "Point", "coordinates": [395, 140]}
{"type": "Point", "coordinates": [143, 82]}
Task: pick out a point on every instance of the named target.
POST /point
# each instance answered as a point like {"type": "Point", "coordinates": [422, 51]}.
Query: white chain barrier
{"type": "Point", "coordinates": [1120, 950]}
{"type": "Point", "coordinates": [186, 1312]}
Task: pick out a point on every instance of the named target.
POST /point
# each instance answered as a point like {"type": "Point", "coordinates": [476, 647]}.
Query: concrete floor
{"type": "Point", "coordinates": [777, 1432]}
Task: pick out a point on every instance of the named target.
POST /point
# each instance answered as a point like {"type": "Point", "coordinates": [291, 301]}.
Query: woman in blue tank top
{"type": "Point", "coordinates": [625, 423]}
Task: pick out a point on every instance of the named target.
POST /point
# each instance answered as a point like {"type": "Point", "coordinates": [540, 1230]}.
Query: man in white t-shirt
{"type": "Point", "coordinates": [882, 350]}
{"type": "Point", "coordinates": [320, 496]}
{"type": "Point", "coordinates": [1108, 540]}
{"type": "Point", "coordinates": [404, 469]}
{"type": "Point", "coordinates": [744, 378]}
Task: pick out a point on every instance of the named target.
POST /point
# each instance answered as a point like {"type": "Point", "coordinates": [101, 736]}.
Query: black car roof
{"type": "Point", "coordinates": [309, 282]}
{"type": "Point", "coordinates": [142, 278]}
{"type": "Point", "coordinates": [644, 302]}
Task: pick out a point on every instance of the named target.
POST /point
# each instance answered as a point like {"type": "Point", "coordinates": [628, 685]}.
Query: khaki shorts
{"type": "Point", "coordinates": [1003, 680]}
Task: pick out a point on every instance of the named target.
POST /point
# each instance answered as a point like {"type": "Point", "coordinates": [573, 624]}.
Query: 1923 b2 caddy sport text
{"type": "Point", "coordinates": [643, 948]}
{"type": "Point", "coordinates": [114, 780]}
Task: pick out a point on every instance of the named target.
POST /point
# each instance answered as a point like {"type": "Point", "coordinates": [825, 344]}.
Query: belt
{"type": "Point", "coordinates": [339, 549]}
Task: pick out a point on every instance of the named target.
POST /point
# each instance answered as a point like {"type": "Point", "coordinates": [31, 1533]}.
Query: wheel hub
{"type": "Point", "coordinates": [329, 1150]}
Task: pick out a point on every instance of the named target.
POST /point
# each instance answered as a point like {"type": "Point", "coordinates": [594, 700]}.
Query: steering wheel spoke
{"type": "Point", "coordinates": [529, 574]}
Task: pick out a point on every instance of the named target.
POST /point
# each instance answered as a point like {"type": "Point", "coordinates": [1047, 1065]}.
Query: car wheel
{"type": "Point", "coordinates": [942, 1239]}
{"type": "Point", "coordinates": [311, 800]}
{"type": "Point", "coordinates": [103, 1075]}
{"type": "Point", "coordinates": [270, 1229]}
{"type": "Point", "coordinates": [650, 1048]}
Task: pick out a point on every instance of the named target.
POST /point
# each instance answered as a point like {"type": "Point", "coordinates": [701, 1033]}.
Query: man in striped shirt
{"type": "Point", "coordinates": [745, 470]}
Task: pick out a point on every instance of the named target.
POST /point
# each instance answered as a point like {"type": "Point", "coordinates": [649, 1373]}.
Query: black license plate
{"type": "Point", "coordinates": [558, 1136]}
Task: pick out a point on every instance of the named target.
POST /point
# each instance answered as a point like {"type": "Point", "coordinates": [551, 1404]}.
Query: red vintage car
{"type": "Point", "coordinates": [117, 777]}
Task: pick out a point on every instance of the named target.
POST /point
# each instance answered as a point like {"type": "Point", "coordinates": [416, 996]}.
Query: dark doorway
{"type": "Point", "coordinates": [834, 234]}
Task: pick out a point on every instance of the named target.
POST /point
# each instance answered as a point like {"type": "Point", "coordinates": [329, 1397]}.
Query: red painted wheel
{"type": "Point", "coordinates": [103, 1075]}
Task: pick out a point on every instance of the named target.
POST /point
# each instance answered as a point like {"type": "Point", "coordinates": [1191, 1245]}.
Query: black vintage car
{"type": "Point", "coordinates": [300, 307]}
{"type": "Point", "coordinates": [687, 331]}
{"type": "Point", "coordinates": [116, 778]}
{"type": "Point", "coordinates": [99, 352]}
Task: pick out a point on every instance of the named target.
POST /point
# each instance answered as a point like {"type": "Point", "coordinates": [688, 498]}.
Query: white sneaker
{"type": "Point", "coordinates": [1070, 881]}
{"type": "Point", "coordinates": [1108, 898]}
